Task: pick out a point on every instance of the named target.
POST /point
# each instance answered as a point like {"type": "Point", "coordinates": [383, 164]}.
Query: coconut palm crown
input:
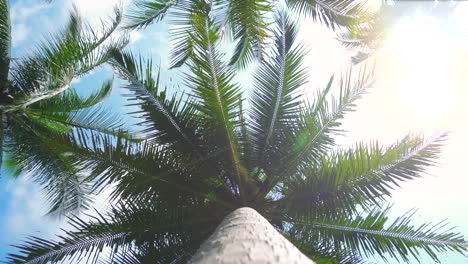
{"type": "Point", "coordinates": [38, 102]}
{"type": "Point", "coordinates": [208, 153]}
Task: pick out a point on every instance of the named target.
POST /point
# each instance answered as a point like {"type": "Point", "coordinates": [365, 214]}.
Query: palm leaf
{"type": "Point", "coordinates": [138, 171]}
{"type": "Point", "coordinates": [276, 103]}
{"type": "Point", "coordinates": [97, 119]}
{"type": "Point", "coordinates": [217, 99]}
{"type": "Point", "coordinates": [167, 121]}
{"type": "Point", "coordinates": [322, 253]}
{"type": "Point", "coordinates": [70, 100]}
{"type": "Point", "coordinates": [247, 22]}
{"type": "Point", "coordinates": [372, 234]}
{"type": "Point", "coordinates": [333, 14]}
{"type": "Point", "coordinates": [184, 21]}
{"type": "Point", "coordinates": [76, 50]}
{"type": "Point", "coordinates": [148, 12]}
{"type": "Point", "coordinates": [32, 148]}
{"type": "Point", "coordinates": [319, 122]}
{"type": "Point", "coordinates": [358, 177]}
{"type": "Point", "coordinates": [124, 227]}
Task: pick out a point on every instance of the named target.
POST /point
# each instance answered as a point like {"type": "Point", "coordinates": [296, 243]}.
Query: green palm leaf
{"type": "Point", "coordinates": [70, 100]}
{"type": "Point", "coordinates": [167, 121]}
{"type": "Point", "coordinates": [333, 14]}
{"type": "Point", "coordinates": [249, 27]}
{"type": "Point", "coordinates": [32, 149]}
{"type": "Point", "coordinates": [372, 234]}
{"type": "Point", "coordinates": [320, 121]}
{"type": "Point", "coordinates": [358, 177]}
{"type": "Point", "coordinates": [148, 12]}
{"type": "Point", "coordinates": [139, 171]}
{"type": "Point", "coordinates": [159, 227]}
{"type": "Point", "coordinates": [217, 99]}
{"type": "Point", "coordinates": [76, 50]}
{"type": "Point", "coordinates": [276, 103]}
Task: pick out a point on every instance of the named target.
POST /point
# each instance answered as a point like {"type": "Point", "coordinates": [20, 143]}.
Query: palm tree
{"type": "Point", "coordinates": [207, 154]}
{"type": "Point", "coordinates": [37, 104]}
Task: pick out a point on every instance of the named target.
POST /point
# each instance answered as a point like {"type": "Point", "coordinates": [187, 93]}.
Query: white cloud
{"type": "Point", "coordinates": [136, 36]}
{"type": "Point", "coordinates": [20, 32]}
{"type": "Point", "coordinates": [96, 10]}
{"type": "Point", "coordinates": [24, 9]}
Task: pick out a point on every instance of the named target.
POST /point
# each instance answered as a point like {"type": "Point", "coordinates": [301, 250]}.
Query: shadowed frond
{"type": "Point", "coordinates": [165, 232]}
{"type": "Point", "coordinates": [372, 234]}
{"type": "Point", "coordinates": [137, 170]}
{"type": "Point", "coordinates": [31, 148]}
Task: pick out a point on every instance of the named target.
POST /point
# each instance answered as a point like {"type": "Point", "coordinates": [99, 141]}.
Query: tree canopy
{"type": "Point", "coordinates": [215, 149]}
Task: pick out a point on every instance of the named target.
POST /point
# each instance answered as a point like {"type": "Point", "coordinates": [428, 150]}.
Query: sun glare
{"type": "Point", "coordinates": [426, 66]}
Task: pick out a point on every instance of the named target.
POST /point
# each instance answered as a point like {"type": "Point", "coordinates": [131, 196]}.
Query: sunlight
{"type": "Point", "coordinates": [426, 66]}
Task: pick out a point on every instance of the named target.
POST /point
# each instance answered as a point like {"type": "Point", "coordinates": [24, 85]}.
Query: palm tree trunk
{"type": "Point", "coordinates": [245, 236]}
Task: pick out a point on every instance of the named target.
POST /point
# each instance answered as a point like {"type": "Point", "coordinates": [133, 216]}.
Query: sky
{"type": "Point", "coordinates": [420, 87]}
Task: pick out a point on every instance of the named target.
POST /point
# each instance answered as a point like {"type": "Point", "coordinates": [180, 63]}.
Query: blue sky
{"type": "Point", "coordinates": [382, 114]}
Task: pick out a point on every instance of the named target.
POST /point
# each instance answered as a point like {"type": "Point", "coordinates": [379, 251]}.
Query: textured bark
{"type": "Point", "coordinates": [245, 236]}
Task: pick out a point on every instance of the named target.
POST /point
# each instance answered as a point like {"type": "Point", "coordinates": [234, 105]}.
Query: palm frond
{"type": "Point", "coordinates": [321, 120]}
{"type": "Point", "coordinates": [359, 176]}
{"type": "Point", "coordinates": [32, 149]}
{"type": "Point", "coordinates": [137, 170]}
{"type": "Point", "coordinates": [333, 14]}
{"type": "Point", "coordinates": [167, 121]}
{"type": "Point", "coordinates": [318, 123]}
{"type": "Point", "coordinates": [405, 160]}
{"type": "Point", "coordinates": [148, 12]}
{"type": "Point", "coordinates": [247, 20]}
{"type": "Point", "coordinates": [76, 50]}
{"type": "Point", "coordinates": [217, 99]}
{"type": "Point", "coordinates": [276, 103]}
{"type": "Point", "coordinates": [97, 119]}
{"type": "Point", "coordinates": [70, 100]}
{"type": "Point", "coordinates": [184, 21]}
{"type": "Point", "coordinates": [322, 253]}
{"type": "Point", "coordinates": [5, 43]}
{"type": "Point", "coordinates": [372, 234]}
{"type": "Point", "coordinates": [167, 231]}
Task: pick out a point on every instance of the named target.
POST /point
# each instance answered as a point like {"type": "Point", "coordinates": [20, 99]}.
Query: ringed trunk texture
{"type": "Point", "coordinates": [245, 236]}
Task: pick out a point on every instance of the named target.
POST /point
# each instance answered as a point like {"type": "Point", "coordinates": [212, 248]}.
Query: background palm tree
{"type": "Point", "coordinates": [37, 104]}
{"type": "Point", "coordinates": [208, 153]}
